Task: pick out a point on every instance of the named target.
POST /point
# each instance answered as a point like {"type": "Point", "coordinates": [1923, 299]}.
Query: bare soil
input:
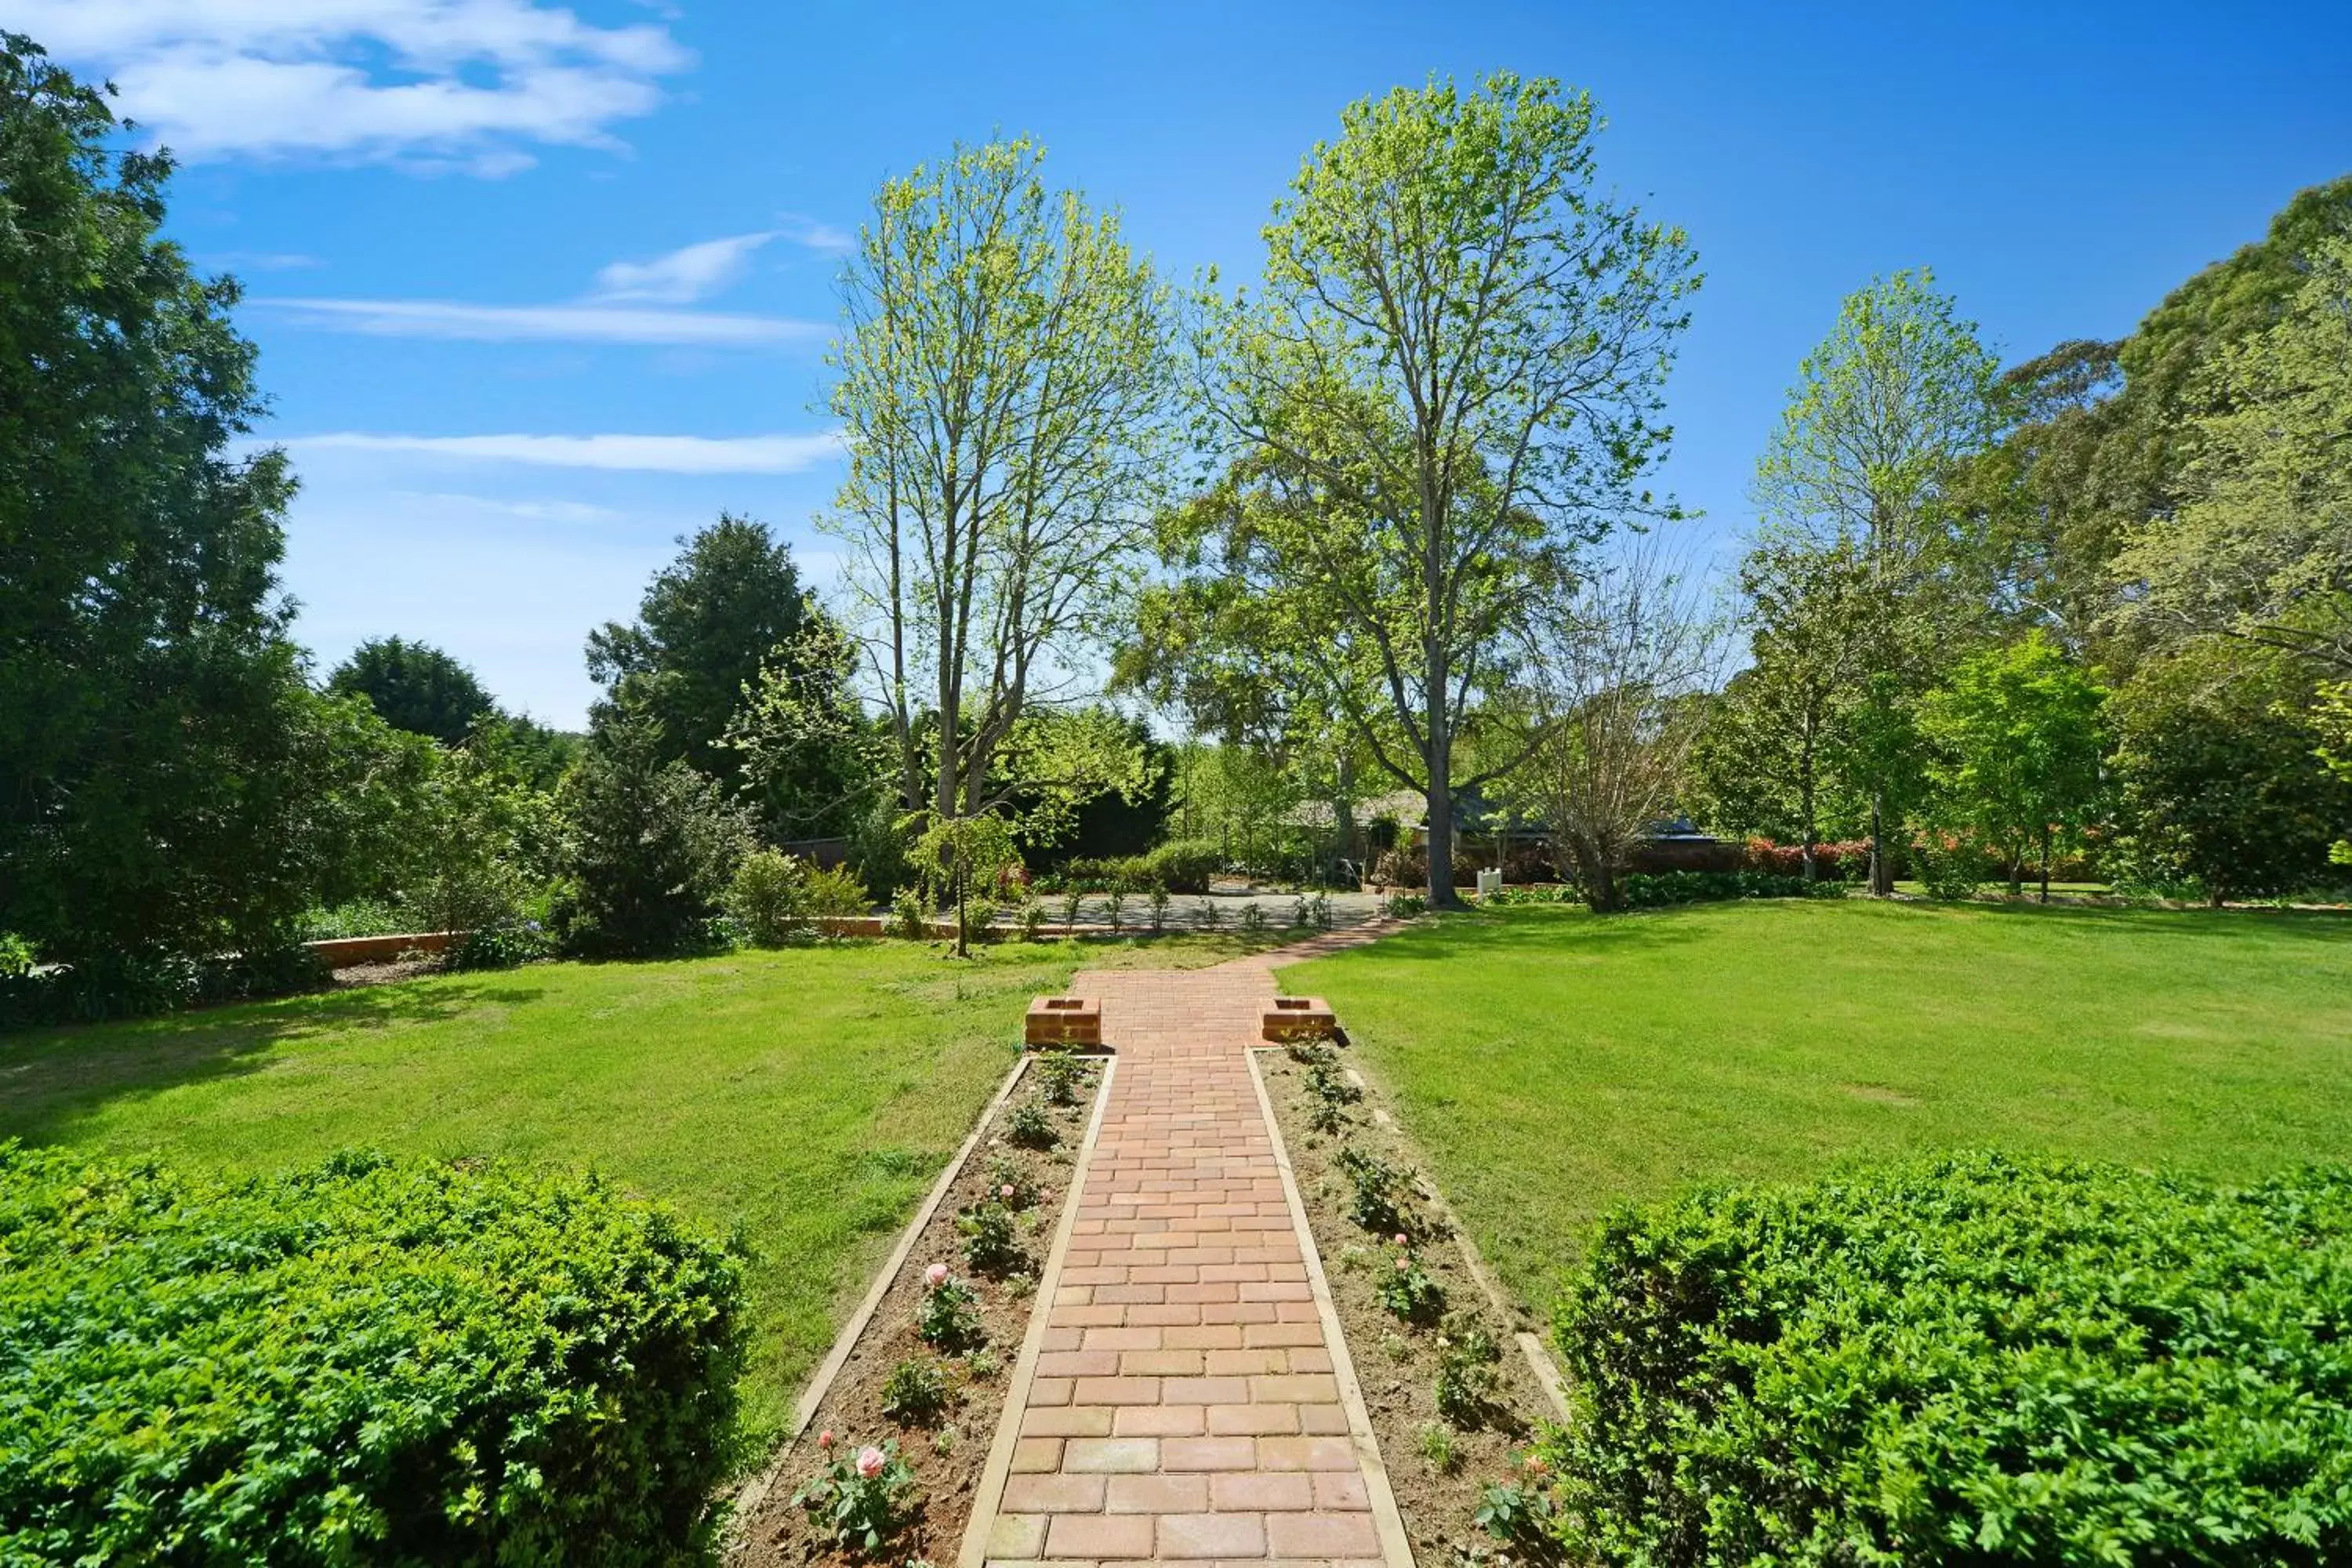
{"type": "Point", "coordinates": [947, 1453]}
{"type": "Point", "coordinates": [1437, 1487]}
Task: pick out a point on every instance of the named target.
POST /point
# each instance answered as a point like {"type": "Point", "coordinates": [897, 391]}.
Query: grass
{"type": "Point", "coordinates": [807, 1097]}
{"type": "Point", "coordinates": [1554, 1064]}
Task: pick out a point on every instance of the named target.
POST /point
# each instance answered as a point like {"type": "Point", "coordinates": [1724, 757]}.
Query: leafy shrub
{"type": "Point", "coordinates": [1329, 1084]}
{"type": "Point", "coordinates": [1969, 1360]}
{"type": "Point", "coordinates": [363, 1361]}
{"type": "Point", "coordinates": [1407, 1291]}
{"type": "Point", "coordinates": [991, 1241]}
{"type": "Point", "coordinates": [1517, 1511]}
{"type": "Point", "coordinates": [769, 895]}
{"type": "Point", "coordinates": [1183, 865]}
{"type": "Point", "coordinates": [129, 985]}
{"type": "Point", "coordinates": [1409, 867]}
{"type": "Point", "coordinates": [1650, 892]}
{"type": "Point", "coordinates": [836, 893]}
{"type": "Point", "coordinates": [1208, 915]}
{"type": "Point", "coordinates": [1373, 1204]}
{"type": "Point", "coordinates": [860, 1498]}
{"type": "Point", "coordinates": [1058, 1075]}
{"type": "Point", "coordinates": [1254, 918]}
{"type": "Point", "coordinates": [915, 1391]}
{"type": "Point", "coordinates": [948, 1317]}
{"type": "Point", "coordinates": [1072, 905]}
{"type": "Point", "coordinates": [1467, 1357]}
{"type": "Point", "coordinates": [1033, 919]}
{"type": "Point", "coordinates": [502, 944]}
{"type": "Point", "coordinates": [1949, 870]}
{"type": "Point", "coordinates": [16, 956]}
{"type": "Point", "coordinates": [1159, 903]}
{"type": "Point", "coordinates": [1434, 1440]}
{"type": "Point", "coordinates": [1325, 1116]}
{"type": "Point", "coordinates": [1028, 1126]}
{"type": "Point", "coordinates": [910, 915]}
{"type": "Point", "coordinates": [1115, 908]}
{"type": "Point", "coordinates": [1404, 906]}
{"type": "Point", "coordinates": [360, 917]}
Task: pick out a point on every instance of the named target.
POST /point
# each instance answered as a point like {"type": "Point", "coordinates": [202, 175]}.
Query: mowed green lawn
{"type": "Point", "coordinates": [1554, 1064]}
{"type": "Point", "coordinates": [809, 1096]}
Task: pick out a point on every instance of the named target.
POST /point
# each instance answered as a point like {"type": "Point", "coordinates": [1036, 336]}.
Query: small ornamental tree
{"type": "Point", "coordinates": [2017, 741]}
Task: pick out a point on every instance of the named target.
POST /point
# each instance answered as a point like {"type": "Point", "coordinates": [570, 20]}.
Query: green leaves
{"type": "Point", "coordinates": [1972, 1359]}
{"type": "Point", "coordinates": [362, 1361]}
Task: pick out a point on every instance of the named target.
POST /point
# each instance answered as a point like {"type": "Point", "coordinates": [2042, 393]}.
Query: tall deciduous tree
{"type": "Point", "coordinates": [1615, 687]}
{"type": "Point", "coordinates": [1881, 416]}
{"type": "Point", "coordinates": [1455, 367]}
{"type": "Point", "coordinates": [2017, 740]}
{"type": "Point", "coordinates": [1003, 393]}
{"type": "Point", "coordinates": [2260, 547]}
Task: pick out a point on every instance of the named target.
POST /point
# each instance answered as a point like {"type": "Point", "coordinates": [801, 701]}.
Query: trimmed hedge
{"type": "Point", "coordinates": [1974, 1359]}
{"type": "Point", "coordinates": [362, 1361]}
{"type": "Point", "coordinates": [1665, 888]}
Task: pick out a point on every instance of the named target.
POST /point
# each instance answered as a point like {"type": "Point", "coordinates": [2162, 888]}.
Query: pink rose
{"type": "Point", "coordinates": [1404, 1264]}
{"type": "Point", "coordinates": [824, 1439]}
{"type": "Point", "coordinates": [1401, 1241]}
{"type": "Point", "coordinates": [1006, 1192]}
{"type": "Point", "coordinates": [935, 1275]}
{"type": "Point", "coordinates": [870, 1462]}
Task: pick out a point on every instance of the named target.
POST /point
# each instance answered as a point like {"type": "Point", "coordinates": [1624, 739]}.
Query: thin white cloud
{"type": "Point", "coordinates": [649, 454]}
{"type": "Point", "coordinates": [816, 236]}
{"type": "Point", "coordinates": [442, 83]}
{"type": "Point", "coordinates": [684, 276]}
{"type": "Point", "coordinates": [530, 511]}
{"type": "Point", "coordinates": [586, 322]}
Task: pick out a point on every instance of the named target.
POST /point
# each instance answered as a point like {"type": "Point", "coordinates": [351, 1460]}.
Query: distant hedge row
{"type": "Point", "coordinates": [366, 1362]}
{"type": "Point", "coordinates": [1976, 1361]}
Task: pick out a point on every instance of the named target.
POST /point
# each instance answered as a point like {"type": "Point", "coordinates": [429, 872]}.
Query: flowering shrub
{"type": "Point", "coordinates": [1406, 1289]}
{"type": "Point", "coordinates": [948, 1317]}
{"type": "Point", "coordinates": [1842, 860]}
{"type": "Point", "coordinates": [1466, 1358]}
{"type": "Point", "coordinates": [1010, 1180]}
{"type": "Point", "coordinates": [1650, 892]}
{"type": "Point", "coordinates": [859, 1499]}
{"type": "Point", "coordinates": [1972, 1359]}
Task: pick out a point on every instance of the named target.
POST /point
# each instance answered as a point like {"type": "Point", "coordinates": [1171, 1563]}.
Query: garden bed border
{"type": "Point", "coordinates": [1396, 1545]}
{"type": "Point", "coordinates": [987, 1494]}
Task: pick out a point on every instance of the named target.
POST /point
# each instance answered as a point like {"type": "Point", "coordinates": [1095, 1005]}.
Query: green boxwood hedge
{"type": "Point", "coordinates": [363, 1362]}
{"type": "Point", "coordinates": [1977, 1359]}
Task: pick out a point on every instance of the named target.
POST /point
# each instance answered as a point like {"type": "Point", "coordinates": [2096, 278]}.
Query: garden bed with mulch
{"type": "Point", "coordinates": [926, 1381]}
{"type": "Point", "coordinates": [1453, 1400]}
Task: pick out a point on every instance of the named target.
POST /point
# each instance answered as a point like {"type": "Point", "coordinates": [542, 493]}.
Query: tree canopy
{"type": "Point", "coordinates": [415, 687]}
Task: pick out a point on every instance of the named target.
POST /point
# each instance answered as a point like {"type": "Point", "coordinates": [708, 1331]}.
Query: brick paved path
{"type": "Point", "coordinates": [1187, 1400]}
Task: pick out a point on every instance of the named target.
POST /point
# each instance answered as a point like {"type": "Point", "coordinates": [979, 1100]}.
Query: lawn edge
{"type": "Point", "coordinates": [988, 1495]}
{"type": "Point", "coordinates": [754, 1492]}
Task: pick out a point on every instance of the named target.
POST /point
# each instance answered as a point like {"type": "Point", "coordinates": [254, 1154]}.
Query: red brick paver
{"type": "Point", "coordinates": [1184, 1405]}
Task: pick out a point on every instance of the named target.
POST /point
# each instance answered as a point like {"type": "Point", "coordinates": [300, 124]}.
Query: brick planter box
{"type": "Point", "coordinates": [1300, 1018]}
{"type": "Point", "coordinates": [1068, 1021]}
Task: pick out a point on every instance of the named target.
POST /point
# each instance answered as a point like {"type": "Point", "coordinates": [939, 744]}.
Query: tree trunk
{"type": "Point", "coordinates": [2046, 866]}
{"type": "Point", "coordinates": [963, 887]}
{"type": "Point", "coordinates": [2017, 878]}
{"type": "Point", "coordinates": [1440, 790]}
{"type": "Point", "coordinates": [1805, 792]}
{"type": "Point", "coordinates": [1882, 875]}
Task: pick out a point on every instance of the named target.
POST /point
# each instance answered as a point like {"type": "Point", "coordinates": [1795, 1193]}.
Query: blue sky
{"type": "Point", "coordinates": [539, 289]}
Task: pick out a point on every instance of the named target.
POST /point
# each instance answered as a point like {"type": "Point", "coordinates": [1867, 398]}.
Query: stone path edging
{"type": "Point", "coordinates": [989, 1492]}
